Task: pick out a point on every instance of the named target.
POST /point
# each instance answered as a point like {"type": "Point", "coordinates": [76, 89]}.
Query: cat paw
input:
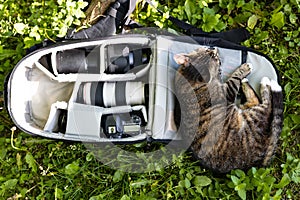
{"type": "Point", "coordinates": [246, 69]}
{"type": "Point", "coordinates": [245, 80]}
{"type": "Point", "coordinates": [265, 81]}
{"type": "Point", "coordinates": [250, 66]}
{"type": "Point", "coordinates": [275, 87]}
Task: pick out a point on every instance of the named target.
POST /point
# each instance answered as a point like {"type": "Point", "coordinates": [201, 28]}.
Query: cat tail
{"type": "Point", "coordinates": [277, 120]}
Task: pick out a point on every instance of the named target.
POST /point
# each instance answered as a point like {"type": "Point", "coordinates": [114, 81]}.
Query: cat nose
{"type": "Point", "coordinates": [212, 50]}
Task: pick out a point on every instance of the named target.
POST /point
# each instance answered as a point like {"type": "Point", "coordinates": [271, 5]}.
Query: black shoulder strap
{"type": "Point", "coordinates": [235, 35]}
{"type": "Point", "coordinates": [115, 17]}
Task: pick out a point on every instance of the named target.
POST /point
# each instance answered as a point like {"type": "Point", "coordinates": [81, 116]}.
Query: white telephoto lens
{"type": "Point", "coordinates": [134, 93]}
{"type": "Point", "coordinates": [109, 97]}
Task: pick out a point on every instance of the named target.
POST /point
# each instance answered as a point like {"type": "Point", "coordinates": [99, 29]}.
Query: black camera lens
{"type": "Point", "coordinates": [124, 63]}
{"type": "Point", "coordinates": [78, 61]}
{"type": "Point", "coordinates": [71, 61]}
{"type": "Point", "coordinates": [62, 120]}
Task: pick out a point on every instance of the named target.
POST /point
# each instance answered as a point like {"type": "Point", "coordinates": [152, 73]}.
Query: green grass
{"type": "Point", "coordinates": [39, 168]}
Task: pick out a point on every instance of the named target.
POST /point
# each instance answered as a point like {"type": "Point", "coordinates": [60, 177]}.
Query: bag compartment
{"type": "Point", "coordinates": [44, 85]}
{"type": "Point", "coordinates": [51, 106]}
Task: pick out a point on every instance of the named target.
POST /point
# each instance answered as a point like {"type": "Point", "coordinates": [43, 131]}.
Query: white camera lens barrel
{"type": "Point", "coordinates": [123, 93]}
{"type": "Point", "coordinates": [90, 93]}
{"type": "Point", "coordinates": [108, 94]}
{"type": "Point", "coordinates": [135, 93]}
{"type": "Point", "coordinates": [84, 93]}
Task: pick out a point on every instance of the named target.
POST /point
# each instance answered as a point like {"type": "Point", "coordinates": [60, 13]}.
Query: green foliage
{"type": "Point", "coordinates": [45, 19]}
{"type": "Point", "coordinates": [39, 168]}
{"type": "Point", "coordinates": [30, 161]}
{"type": "Point", "coordinates": [25, 23]}
{"type": "Point", "coordinates": [211, 16]}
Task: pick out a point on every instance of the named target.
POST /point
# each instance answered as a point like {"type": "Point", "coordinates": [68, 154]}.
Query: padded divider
{"type": "Point", "coordinates": [163, 126]}
{"type": "Point", "coordinates": [56, 117]}
{"type": "Point", "coordinates": [84, 121]}
{"type": "Point", "coordinates": [261, 68]}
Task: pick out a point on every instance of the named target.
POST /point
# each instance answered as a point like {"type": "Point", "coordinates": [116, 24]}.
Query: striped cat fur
{"type": "Point", "coordinates": [223, 134]}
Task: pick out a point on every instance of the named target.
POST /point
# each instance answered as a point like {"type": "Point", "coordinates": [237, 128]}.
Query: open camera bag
{"type": "Point", "coordinates": [118, 88]}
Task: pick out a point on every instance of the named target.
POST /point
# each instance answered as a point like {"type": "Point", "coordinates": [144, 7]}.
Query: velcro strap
{"type": "Point", "coordinates": [112, 12]}
{"type": "Point", "coordinates": [117, 11]}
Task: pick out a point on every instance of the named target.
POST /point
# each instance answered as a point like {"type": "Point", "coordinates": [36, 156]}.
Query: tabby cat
{"type": "Point", "coordinates": [223, 134]}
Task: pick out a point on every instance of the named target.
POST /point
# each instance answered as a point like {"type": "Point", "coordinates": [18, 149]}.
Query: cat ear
{"type": "Point", "coordinates": [181, 59]}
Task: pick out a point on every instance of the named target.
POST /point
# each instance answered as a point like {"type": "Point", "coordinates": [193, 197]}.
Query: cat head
{"type": "Point", "coordinates": [205, 61]}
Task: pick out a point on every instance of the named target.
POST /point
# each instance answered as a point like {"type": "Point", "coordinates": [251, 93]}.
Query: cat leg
{"type": "Point", "coordinates": [265, 107]}
{"type": "Point", "coordinates": [232, 85]}
{"type": "Point", "coordinates": [251, 98]}
{"type": "Point", "coordinates": [276, 124]}
{"type": "Point", "coordinates": [271, 115]}
{"type": "Point", "coordinates": [265, 90]}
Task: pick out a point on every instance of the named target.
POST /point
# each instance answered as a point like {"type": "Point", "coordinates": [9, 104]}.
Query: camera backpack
{"type": "Point", "coordinates": [94, 86]}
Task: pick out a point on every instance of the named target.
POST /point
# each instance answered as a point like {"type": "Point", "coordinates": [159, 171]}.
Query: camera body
{"type": "Point", "coordinates": [123, 125]}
